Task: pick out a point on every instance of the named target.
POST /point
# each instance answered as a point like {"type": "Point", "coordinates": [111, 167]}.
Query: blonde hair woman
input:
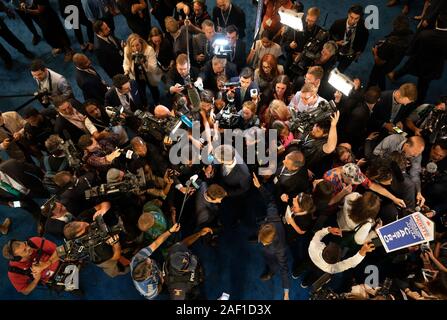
{"type": "Point", "coordinates": [140, 64]}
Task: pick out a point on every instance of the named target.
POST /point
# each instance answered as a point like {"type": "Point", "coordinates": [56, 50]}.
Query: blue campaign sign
{"type": "Point", "coordinates": [408, 231]}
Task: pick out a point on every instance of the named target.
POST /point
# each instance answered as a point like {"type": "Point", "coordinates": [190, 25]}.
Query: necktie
{"type": "Point", "coordinates": [10, 189]}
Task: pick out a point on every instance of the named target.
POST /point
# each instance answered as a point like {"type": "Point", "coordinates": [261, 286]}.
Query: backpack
{"type": "Point", "coordinates": [47, 180]}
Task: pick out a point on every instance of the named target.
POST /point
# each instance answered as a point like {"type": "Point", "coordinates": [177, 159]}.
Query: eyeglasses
{"type": "Point", "coordinates": [266, 66]}
{"type": "Point", "coordinates": [307, 98]}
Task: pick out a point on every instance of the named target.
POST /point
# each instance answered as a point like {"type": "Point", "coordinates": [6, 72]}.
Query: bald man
{"type": "Point", "coordinates": [412, 148]}
{"type": "Point", "coordinates": [88, 80]}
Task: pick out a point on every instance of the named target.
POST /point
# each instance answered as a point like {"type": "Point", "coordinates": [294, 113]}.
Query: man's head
{"type": "Point", "coordinates": [63, 178]}
{"type": "Point", "coordinates": [225, 154]}
{"type": "Point", "coordinates": [218, 65]}
{"type": "Point", "coordinates": [344, 153]}
{"type": "Point", "coordinates": [143, 270]}
{"type": "Point", "coordinates": [87, 143]}
{"type": "Point", "coordinates": [75, 229]}
{"type": "Point", "coordinates": [215, 193]}
{"type": "Point", "coordinates": [294, 161]}
{"type": "Point", "coordinates": [63, 106]}
{"type": "Point", "coordinates": [372, 96]}
{"type": "Point", "coordinates": [321, 129]}
{"type": "Point", "coordinates": [232, 34]}
{"type": "Point", "coordinates": [171, 25]}
{"type": "Point", "coordinates": [438, 151]}
{"type": "Point", "coordinates": [303, 203]}
{"type": "Point", "coordinates": [266, 234]}
{"type": "Point", "coordinates": [53, 145]}
{"type": "Point", "coordinates": [31, 116]}
{"type": "Point", "coordinates": [92, 109]}
{"type": "Point", "coordinates": [223, 4]}
{"type": "Point", "coordinates": [332, 253]}
{"type": "Point", "coordinates": [314, 75]}
{"type": "Point", "coordinates": [101, 28]}
{"type": "Point", "coordinates": [208, 29]}
{"type": "Point", "coordinates": [406, 94]}
{"type": "Point", "coordinates": [81, 61]}
{"type": "Point", "coordinates": [206, 100]}
{"type": "Point", "coordinates": [139, 146]}
{"type": "Point", "coordinates": [181, 63]}
{"type": "Point", "coordinates": [146, 221]}
{"type": "Point", "coordinates": [246, 77]}
{"type": "Point", "coordinates": [198, 7]}
{"type": "Point", "coordinates": [39, 70]}
{"type": "Point", "coordinates": [329, 50]}
{"type": "Point", "coordinates": [55, 209]}
{"type": "Point", "coordinates": [352, 174]}
{"type": "Point", "coordinates": [413, 147]}
{"type": "Point", "coordinates": [115, 175]}
{"type": "Point", "coordinates": [16, 250]}
{"type": "Point", "coordinates": [355, 14]}
{"type": "Point", "coordinates": [183, 261]}
{"type": "Point", "coordinates": [122, 83]}
{"type": "Point", "coordinates": [309, 94]}
{"type": "Point", "coordinates": [312, 16]}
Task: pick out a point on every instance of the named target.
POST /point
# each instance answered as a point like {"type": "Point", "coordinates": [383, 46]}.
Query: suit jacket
{"type": "Point", "coordinates": [113, 100]}
{"type": "Point", "coordinates": [92, 86]}
{"type": "Point", "coordinates": [109, 56]}
{"type": "Point", "coordinates": [240, 55]}
{"type": "Point", "coordinates": [382, 111]}
{"type": "Point", "coordinates": [338, 30]}
{"type": "Point", "coordinates": [238, 99]}
{"type": "Point", "coordinates": [25, 173]}
{"type": "Point", "coordinates": [173, 77]}
{"type": "Point", "coordinates": [13, 123]}
{"type": "Point", "coordinates": [354, 129]}
{"type": "Point", "coordinates": [201, 46]}
{"type": "Point", "coordinates": [237, 183]}
{"type": "Point", "coordinates": [210, 78]}
{"type": "Point", "coordinates": [236, 17]}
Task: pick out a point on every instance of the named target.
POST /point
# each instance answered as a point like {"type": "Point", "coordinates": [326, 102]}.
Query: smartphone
{"type": "Point", "coordinates": [376, 242]}
{"type": "Point", "coordinates": [16, 204]}
{"type": "Point", "coordinates": [253, 93]}
{"type": "Point", "coordinates": [398, 130]}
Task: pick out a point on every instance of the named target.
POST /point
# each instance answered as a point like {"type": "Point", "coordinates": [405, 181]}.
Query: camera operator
{"type": "Point", "coordinates": [53, 162]}
{"type": "Point", "coordinates": [99, 154]}
{"type": "Point", "coordinates": [147, 156]}
{"type": "Point", "coordinates": [140, 64]}
{"type": "Point", "coordinates": [49, 83]}
{"type": "Point", "coordinates": [31, 262]}
{"type": "Point", "coordinates": [105, 254]}
{"type": "Point", "coordinates": [146, 274]}
{"type": "Point", "coordinates": [182, 272]}
{"type": "Point", "coordinates": [180, 76]}
{"type": "Point", "coordinates": [419, 119]}
{"type": "Point", "coordinates": [73, 188]}
{"type": "Point", "coordinates": [203, 49]}
{"type": "Point", "coordinates": [212, 69]}
{"type": "Point", "coordinates": [38, 128]}
{"type": "Point", "coordinates": [351, 36]}
{"type": "Point", "coordinates": [306, 100]}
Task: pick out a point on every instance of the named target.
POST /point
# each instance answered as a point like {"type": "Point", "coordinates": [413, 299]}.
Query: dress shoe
{"type": "Point", "coordinates": [266, 275]}
{"type": "Point", "coordinates": [5, 226]}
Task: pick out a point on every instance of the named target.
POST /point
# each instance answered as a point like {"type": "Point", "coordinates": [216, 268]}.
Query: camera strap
{"type": "Point", "coordinates": [50, 84]}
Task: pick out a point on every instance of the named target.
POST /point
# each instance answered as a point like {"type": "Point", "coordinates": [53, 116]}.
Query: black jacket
{"type": "Point", "coordinates": [30, 176]}
{"type": "Point", "coordinates": [338, 30]}
{"type": "Point", "coordinates": [236, 17]}
{"type": "Point", "coordinates": [112, 99]}
{"type": "Point", "coordinates": [92, 86]}
{"type": "Point", "coordinates": [110, 57]}
{"type": "Point", "coordinates": [237, 183]}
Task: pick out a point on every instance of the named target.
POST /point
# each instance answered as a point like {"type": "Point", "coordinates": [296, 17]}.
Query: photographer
{"type": "Point", "coordinates": [31, 262]}
{"type": "Point", "coordinates": [105, 254]}
{"type": "Point", "coordinates": [180, 76]}
{"type": "Point", "coordinates": [140, 64]}
{"type": "Point", "coordinates": [351, 36]}
{"type": "Point", "coordinates": [203, 49]}
{"type": "Point", "coordinates": [49, 83]}
{"type": "Point", "coordinates": [38, 128]}
{"type": "Point", "coordinates": [419, 120]}
{"type": "Point", "coordinates": [99, 154]}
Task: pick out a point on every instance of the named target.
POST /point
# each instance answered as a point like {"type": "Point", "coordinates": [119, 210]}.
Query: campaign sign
{"type": "Point", "coordinates": [406, 232]}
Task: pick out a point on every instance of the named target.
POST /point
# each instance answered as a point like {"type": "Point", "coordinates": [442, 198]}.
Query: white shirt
{"type": "Point", "coordinates": [316, 248]}
{"type": "Point", "coordinates": [123, 100]}
{"type": "Point", "coordinates": [13, 183]}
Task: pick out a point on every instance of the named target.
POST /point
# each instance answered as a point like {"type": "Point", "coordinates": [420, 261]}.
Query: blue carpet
{"type": "Point", "coordinates": [235, 265]}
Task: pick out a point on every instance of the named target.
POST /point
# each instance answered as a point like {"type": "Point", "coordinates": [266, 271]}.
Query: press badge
{"type": "Point", "coordinates": [275, 181]}
{"type": "Point", "coordinates": [268, 22]}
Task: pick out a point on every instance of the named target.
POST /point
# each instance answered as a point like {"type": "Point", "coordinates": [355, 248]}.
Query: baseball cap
{"type": "Point", "coordinates": [353, 172]}
{"type": "Point", "coordinates": [183, 261]}
{"type": "Point", "coordinates": [113, 175]}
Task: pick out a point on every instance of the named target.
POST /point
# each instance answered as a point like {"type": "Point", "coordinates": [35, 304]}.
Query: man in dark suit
{"type": "Point", "coordinates": [88, 80]}
{"type": "Point", "coordinates": [226, 13]}
{"type": "Point", "coordinates": [243, 93]}
{"type": "Point", "coordinates": [108, 49]}
{"type": "Point", "coordinates": [436, 8]}
{"type": "Point", "coordinates": [178, 77]}
{"type": "Point", "coordinates": [272, 236]}
{"type": "Point", "coordinates": [391, 110]}
{"type": "Point", "coordinates": [202, 48]}
{"type": "Point", "coordinates": [428, 53]}
{"type": "Point", "coordinates": [212, 70]}
{"type": "Point", "coordinates": [238, 52]}
{"type": "Point", "coordinates": [351, 36]}
{"type": "Point", "coordinates": [124, 92]}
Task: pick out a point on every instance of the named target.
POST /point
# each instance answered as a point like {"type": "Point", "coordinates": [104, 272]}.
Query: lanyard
{"type": "Point", "coordinates": [228, 15]}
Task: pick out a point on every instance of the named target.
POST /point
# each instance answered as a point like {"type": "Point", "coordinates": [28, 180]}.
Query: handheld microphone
{"type": "Point", "coordinates": [432, 167]}
{"type": "Point", "coordinates": [192, 181]}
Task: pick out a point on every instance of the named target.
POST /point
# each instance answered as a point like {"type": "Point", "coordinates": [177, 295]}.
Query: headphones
{"type": "Point", "coordinates": [13, 257]}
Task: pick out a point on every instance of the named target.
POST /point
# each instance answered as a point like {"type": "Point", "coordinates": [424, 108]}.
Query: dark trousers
{"type": "Point", "coordinates": [377, 77]}
{"type": "Point", "coordinates": [29, 21]}
{"type": "Point", "coordinates": [154, 92]}
{"type": "Point", "coordinates": [90, 34]}
{"type": "Point", "coordinates": [9, 37]}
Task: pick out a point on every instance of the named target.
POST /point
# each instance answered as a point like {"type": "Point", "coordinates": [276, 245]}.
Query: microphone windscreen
{"type": "Point", "coordinates": [194, 98]}
{"type": "Point", "coordinates": [432, 167]}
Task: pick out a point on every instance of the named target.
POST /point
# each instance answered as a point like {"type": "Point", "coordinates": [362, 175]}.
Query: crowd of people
{"type": "Point", "coordinates": [344, 165]}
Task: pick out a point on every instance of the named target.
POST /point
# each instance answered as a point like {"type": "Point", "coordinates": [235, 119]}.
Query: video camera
{"type": "Point", "coordinates": [311, 52]}
{"type": "Point", "coordinates": [435, 126]}
{"type": "Point", "coordinates": [157, 128]}
{"type": "Point", "coordinates": [304, 121]}
{"type": "Point", "coordinates": [114, 114]}
{"type": "Point", "coordinates": [71, 153]}
{"type": "Point", "coordinates": [130, 183]}
{"type": "Point", "coordinates": [138, 58]}
{"type": "Point", "coordinates": [231, 85]}
{"type": "Point", "coordinates": [82, 248]}
{"type": "Point", "coordinates": [44, 96]}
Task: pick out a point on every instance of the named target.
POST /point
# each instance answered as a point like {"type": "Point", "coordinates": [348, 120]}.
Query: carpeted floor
{"type": "Point", "coordinates": [235, 265]}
